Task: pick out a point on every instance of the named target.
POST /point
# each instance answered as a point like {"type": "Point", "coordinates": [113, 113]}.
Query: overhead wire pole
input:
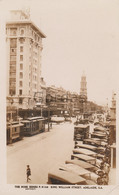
{"type": "Point", "coordinates": [48, 103]}
{"type": "Point", "coordinates": [48, 118]}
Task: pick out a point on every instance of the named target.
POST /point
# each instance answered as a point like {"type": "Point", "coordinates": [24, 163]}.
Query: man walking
{"type": "Point", "coordinates": [28, 172]}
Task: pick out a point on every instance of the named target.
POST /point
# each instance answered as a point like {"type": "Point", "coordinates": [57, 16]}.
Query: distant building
{"type": "Point", "coordinates": [113, 131]}
{"type": "Point", "coordinates": [83, 86]}
{"type": "Point", "coordinates": [83, 94]}
{"type": "Point", "coordinates": [61, 101]}
{"type": "Point", "coordinates": [113, 119]}
{"type": "Point", "coordinates": [24, 50]}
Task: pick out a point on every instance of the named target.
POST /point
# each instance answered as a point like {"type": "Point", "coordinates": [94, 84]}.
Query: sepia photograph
{"type": "Point", "coordinates": [61, 69]}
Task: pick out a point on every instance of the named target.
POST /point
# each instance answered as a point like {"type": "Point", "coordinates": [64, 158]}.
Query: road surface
{"type": "Point", "coordinates": [43, 152]}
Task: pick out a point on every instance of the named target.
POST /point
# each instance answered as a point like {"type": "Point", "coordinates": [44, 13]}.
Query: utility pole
{"type": "Point", "coordinates": [48, 103]}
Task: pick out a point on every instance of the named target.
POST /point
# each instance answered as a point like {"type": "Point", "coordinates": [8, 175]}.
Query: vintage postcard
{"type": "Point", "coordinates": [59, 97]}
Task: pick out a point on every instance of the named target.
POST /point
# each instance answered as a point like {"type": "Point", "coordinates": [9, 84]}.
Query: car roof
{"type": "Point", "coordinates": [82, 126]}
{"type": "Point", "coordinates": [83, 156]}
{"type": "Point", "coordinates": [86, 146]}
{"type": "Point", "coordinates": [99, 134]}
{"type": "Point", "coordinates": [84, 151]}
{"type": "Point", "coordinates": [66, 176]}
{"type": "Point", "coordinates": [81, 163]}
{"type": "Point", "coordinates": [75, 169]}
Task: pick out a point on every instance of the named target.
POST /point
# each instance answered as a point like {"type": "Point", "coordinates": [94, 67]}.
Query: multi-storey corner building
{"type": "Point", "coordinates": [24, 49]}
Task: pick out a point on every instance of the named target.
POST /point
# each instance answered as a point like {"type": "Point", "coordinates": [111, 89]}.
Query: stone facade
{"type": "Point", "coordinates": [24, 51]}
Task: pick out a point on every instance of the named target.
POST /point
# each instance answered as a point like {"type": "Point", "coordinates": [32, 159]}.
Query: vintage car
{"type": "Point", "coordinates": [86, 146]}
{"type": "Point", "coordinates": [82, 164]}
{"type": "Point", "coordinates": [79, 171]}
{"type": "Point", "coordinates": [99, 135]}
{"type": "Point", "coordinates": [81, 132]}
{"type": "Point", "coordinates": [100, 129]}
{"type": "Point", "coordinates": [97, 123]}
{"type": "Point", "coordinates": [101, 150]}
{"type": "Point", "coordinates": [60, 177]}
{"type": "Point", "coordinates": [56, 119]}
{"type": "Point", "coordinates": [81, 121]}
{"type": "Point", "coordinates": [92, 141]}
{"type": "Point", "coordinates": [84, 151]}
{"type": "Point", "coordinates": [91, 168]}
{"type": "Point", "coordinates": [100, 156]}
{"type": "Point", "coordinates": [84, 157]}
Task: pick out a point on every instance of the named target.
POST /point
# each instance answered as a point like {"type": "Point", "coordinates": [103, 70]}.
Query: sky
{"type": "Point", "coordinates": [81, 36]}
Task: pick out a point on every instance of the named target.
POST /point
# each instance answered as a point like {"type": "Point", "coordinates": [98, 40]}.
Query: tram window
{"type": "Point", "coordinates": [27, 125]}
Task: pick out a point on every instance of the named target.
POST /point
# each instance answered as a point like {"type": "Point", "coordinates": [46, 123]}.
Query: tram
{"type": "Point", "coordinates": [33, 125]}
{"type": "Point", "coordinates": [14, 131]}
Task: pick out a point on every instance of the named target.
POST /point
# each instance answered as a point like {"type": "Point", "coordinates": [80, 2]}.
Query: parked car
{"type": "Point", "coordinates": [84, 157]}
{"type": "Point", "coordinates": [82, 164]}
{"type": "Point", "coordinates": [60, 177]}
{"type": "Point", "coordinates": [86, 146]}
{"type": "Point", "coordinates": [90, 167]}
{"type": "Point", "coordinates": [81, 132]}
{"type": "Point", "coordinates": [79, 171]}
{"type": "Point", "coordinates": [92, 141]}
{"type": "Point", "coordinates": [84, 151]}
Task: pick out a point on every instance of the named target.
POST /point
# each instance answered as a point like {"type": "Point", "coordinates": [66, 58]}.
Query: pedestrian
{"type": "Point", "coordinates": [51, 125]}
{"type": "Point", "coordinates": [28, 172]}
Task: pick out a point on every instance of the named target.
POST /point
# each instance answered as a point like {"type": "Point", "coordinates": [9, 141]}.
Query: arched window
{"type": "Point", "coordinates": [22, 32]}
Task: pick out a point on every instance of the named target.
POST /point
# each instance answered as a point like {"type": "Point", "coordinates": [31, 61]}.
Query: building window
{"type": "Point", "coordinates": [21, 75]}
{"type": "Point", "coordinates": [13, 43]}
{"type": "Point", "coordinates": [13, 31]}
{"type": "Point", "coordinates": [21, 40]}
{"type": "Point", "coordinates": [21, 66]}
{"type": "Point", "coordinates": [12, 91]}
{"type": "Point", "coordinates": [20, 100]}
{"type": "Point", "coordinates": [21, 57]}
{"type": "Point", "coordinates": [20, 84]}
{"type": "Point", "coordinates": [22, 32]}
{"type": "Point", "coordinates": [13, 51]}
{"type": "Point", "coordinates": [12, 58]}
{"type": "Point", "coordinates": [20, 92]}
{"type": "Point", "coordinates": [21, 48]}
